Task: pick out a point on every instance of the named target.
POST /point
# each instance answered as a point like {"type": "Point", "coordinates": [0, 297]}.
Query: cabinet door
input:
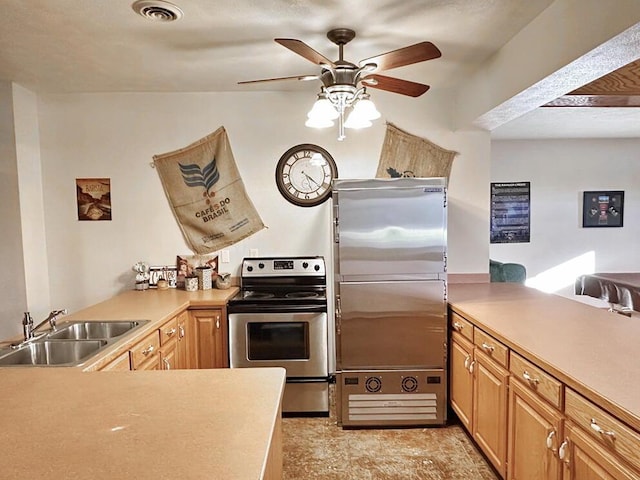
{"type": "Point", "coordinates": [169, 356]}
{"type": "Point", "coordinates": [534, 434]}
{"type": "Point", "coordinates": [490, 409]}
{"type": "Point", "coordinates": [585, 459]}
{"type": "Point", "coordinates": [461, 379]}
{"type": "Point", "coordinates": [119, 364]}
{"type": "Point", "coordinates": [183, 348]}
{"type": "Point", "coordinates": [210, 335]}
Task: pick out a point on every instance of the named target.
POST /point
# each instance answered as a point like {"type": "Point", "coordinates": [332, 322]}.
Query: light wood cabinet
{"type": "Point", "coordinates": [534, 436]}
{"type": "Point", "coordinates": [585, 459]}
{"type": "Point", "coordinates": [184, 341]}
{"type": "Point", "coordinates": [478, 394]}
{"type": "Point", "coordinates": [461, 379]}
{"type": "Point", "coordinates": [145, 354]}
{"type": "Point", "coordinates": [169, 344]}
{"type": "Point", "coordinates": [490, 409]}
{"type": "Point", "coordinates": [209, 328]}
{"type": "Point", "coordinates": [121, 363]}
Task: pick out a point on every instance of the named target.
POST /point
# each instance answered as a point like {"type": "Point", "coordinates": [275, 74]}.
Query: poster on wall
{"type": "Point", "coordinates": [94, 198]}
{"type": "Point", "coordinates": [510, 212]}
{"type": "Point", "coordinates": [602, 209]}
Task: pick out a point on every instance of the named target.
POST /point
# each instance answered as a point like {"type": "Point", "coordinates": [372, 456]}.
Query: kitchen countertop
{"type": "Point", "coordinates": [187, 424]}
{"type": "Point", "coordinates": [591, 350]}
{"type": "Point", "coordinates": [157, 306]}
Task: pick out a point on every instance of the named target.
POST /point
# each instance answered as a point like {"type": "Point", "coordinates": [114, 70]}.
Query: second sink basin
{"type": "Point", "coordinates": [93, 330]}
{"type": "Point", "coordinates": [52, 352]}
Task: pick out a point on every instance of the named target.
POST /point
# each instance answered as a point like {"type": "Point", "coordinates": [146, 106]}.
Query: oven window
{"type": "Point", "coordinates": [278, 340]}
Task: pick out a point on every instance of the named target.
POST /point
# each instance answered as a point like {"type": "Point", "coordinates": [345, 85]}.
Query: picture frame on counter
{"type": "Point", "coordinates": [168, 272]}
{"type": "Point", "coordinates": [603, 208]}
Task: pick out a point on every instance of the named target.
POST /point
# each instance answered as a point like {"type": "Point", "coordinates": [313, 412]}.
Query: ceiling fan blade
{"type": "Point", "coordinates": [304, 50]}
{"type": "Point", "coordinates": [395, 85]}
{"type": "Point", "coordinates": [303, 78]}
{"type": "Point", "coordinates": [419, 52]}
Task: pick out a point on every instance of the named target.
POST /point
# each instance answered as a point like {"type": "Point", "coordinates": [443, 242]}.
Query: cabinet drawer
{"type": "Point", "coordinates": [144, 350]}
{"type": "Point", "coordinates": [169, 331]}
{"type": "Point", "coordinates": [607, 430]}
{"type": "Point", "coordinates": [462, 326]}
{"type": "Point", "coordinates": [491, 347]}
{"type": "Point", "coordinates": [119, 364]}
{"type": "Point", "coordinates": [536, 379]}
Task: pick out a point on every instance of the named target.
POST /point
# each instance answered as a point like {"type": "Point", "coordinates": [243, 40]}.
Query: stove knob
{"type": "Point", "coordinates": [249, 268]}
{"type": "Point", "coordinates": [316, 267]}
{"type": "Point", "coordinates": [261, 265]}
{"type": "Point", "coordinates": [305, 264]}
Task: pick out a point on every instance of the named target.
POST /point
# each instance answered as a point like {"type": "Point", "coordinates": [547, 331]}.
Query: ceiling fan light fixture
{"type": "Point", "coordinates": [356, 122]}
{"type": "Point", "coordinates": [318, 123]}
{"type": "Point", "coordinates": [323, 109]}
{"type": "Point", "coordinates": [365, 108]}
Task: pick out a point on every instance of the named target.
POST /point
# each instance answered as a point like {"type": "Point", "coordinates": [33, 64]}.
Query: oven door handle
{"type": "Point", "coordinates": [262, 308]}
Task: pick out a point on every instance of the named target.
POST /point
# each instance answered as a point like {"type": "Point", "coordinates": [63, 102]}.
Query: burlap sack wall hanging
{"type": "Point", "coordinates": [207, 195]}
{"type": "Point", "coordinates": [406, 155]}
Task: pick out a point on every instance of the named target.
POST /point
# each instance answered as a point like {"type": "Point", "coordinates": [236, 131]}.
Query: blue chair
{"type": "Point", "coordinates": [507, 272]}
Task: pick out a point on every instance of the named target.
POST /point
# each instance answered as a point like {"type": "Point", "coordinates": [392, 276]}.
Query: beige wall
{"type": "Point", "coordinates": [559, 172]}
{"type": "Point", "coordinates": [13, 300]}
{"type": "Point", "coordinates": [115, 136]}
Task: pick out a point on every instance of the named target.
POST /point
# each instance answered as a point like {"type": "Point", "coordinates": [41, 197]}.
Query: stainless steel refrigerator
{"type": "Point", "coordinates": [390, 285]}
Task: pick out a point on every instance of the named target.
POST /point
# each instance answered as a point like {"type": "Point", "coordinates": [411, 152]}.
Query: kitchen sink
{"type": "Point", "coordinates": [70, 344]}
{"type": "Point", "coordinates": [93, 330]}
{"type": "Point", "coordinates": [52, 352]}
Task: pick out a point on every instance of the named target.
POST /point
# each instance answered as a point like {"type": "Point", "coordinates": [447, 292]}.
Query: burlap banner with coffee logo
{"type": "Point", "coordinates": [406, 155]}
{"type": "Point", "coordinates": [207, 195]}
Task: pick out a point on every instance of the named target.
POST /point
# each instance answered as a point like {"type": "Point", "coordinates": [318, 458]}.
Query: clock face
{"type": "Point", "coordinates": [304, 175]}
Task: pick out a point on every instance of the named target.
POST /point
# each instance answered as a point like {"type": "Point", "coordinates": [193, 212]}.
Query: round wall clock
{"type": "Point", "coordinates": [304, 174]}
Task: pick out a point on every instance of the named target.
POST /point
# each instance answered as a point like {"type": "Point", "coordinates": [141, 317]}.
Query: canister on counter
{"type": "Point", "coordinates": [191, 283]}
{"type": "Point", "coordinates": [204, 277]}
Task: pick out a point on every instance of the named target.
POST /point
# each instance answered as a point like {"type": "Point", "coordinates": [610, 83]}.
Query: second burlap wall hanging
{"type": "Point", "coordinates": [406, 155]}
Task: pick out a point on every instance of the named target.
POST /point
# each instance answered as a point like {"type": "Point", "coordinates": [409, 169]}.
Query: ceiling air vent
{"type": "Point", "coordinates": [157, 10]}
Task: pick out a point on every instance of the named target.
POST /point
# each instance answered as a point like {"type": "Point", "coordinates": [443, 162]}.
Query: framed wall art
{"type": "Point", "coordinates": [93, 197]}
{"type": "Point", "coordinates": [603, 208]}
{"type": "Point", "coordinates": [510, 212]}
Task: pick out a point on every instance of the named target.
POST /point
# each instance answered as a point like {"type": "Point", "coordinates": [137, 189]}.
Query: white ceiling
{"type": "Point", "coordinates": [65, 46]}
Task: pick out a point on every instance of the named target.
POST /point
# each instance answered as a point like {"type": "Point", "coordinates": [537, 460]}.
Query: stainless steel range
{"type": "Point", "coordinates": [279, 318]}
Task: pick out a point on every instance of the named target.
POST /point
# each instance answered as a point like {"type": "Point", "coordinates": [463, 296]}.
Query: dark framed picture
{"type": "Point", "coordinates": [603, 208]}
{"type": "Point", "coordinates": [93, 197]}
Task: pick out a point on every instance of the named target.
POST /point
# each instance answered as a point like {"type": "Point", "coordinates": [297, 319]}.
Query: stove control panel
{"type": "Point", "coordinates": [290, 266]}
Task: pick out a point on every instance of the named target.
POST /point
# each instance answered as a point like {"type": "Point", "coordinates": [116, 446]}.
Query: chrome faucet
{"type": "Point", "coordinates": [29, 329]}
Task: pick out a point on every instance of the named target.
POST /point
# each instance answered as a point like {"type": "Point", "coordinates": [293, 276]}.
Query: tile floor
{"type": "Point", "coordinates": [316, 448]}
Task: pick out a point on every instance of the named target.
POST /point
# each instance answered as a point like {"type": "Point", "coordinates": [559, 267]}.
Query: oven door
{"type": "Point", "coordinates": [296, 341]}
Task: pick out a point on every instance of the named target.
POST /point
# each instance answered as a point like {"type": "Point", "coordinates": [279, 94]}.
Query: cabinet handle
{"type": "Point", "coordinates": [167, 364]}
{"type": "Point", "coordinates": [471, 365]}
{"type": "Point", "coordinates": [605, 433]}
{"type": "Point", "coordinates": [552, 434]}
{"type": "Point", "coordinates": [466, 362]}
{"type": "Point", "coordinates": [218, 323]}
{"type": "Point", "coordinates": [168, 333]}
{"type": "Point", "coordinates": [562, 452]}
{"type": "Point", "coordinates": [488, 348]}
{"type": "Point", "coordinates": [533, 382]}
{"type": "Point", "coordinates": [148, 350]}
{"type": "Point", "coordinates": [457, 326]}
{"type": "Point", "coordinates": [181, 331]}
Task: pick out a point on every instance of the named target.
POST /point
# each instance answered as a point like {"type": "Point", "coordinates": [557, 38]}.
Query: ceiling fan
{"type": "Point", "coordinates": [343, 72]}
{"type": "Point", "coordinates": [341, 79]}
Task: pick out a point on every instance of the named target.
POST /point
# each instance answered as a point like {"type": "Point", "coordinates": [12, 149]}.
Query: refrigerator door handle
{"type": "Point", "coordinates": [336, 224]}
{"type": "Point", "coordinates": [338, 315]}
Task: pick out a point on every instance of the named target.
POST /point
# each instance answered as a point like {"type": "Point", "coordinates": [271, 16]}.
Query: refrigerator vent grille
{"type": "Point", "coordinates": [373, 384]}
{"type": "Point", "coordinates": [407, 406]}
{"type": "Point", "coordinates": [409, 384]}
